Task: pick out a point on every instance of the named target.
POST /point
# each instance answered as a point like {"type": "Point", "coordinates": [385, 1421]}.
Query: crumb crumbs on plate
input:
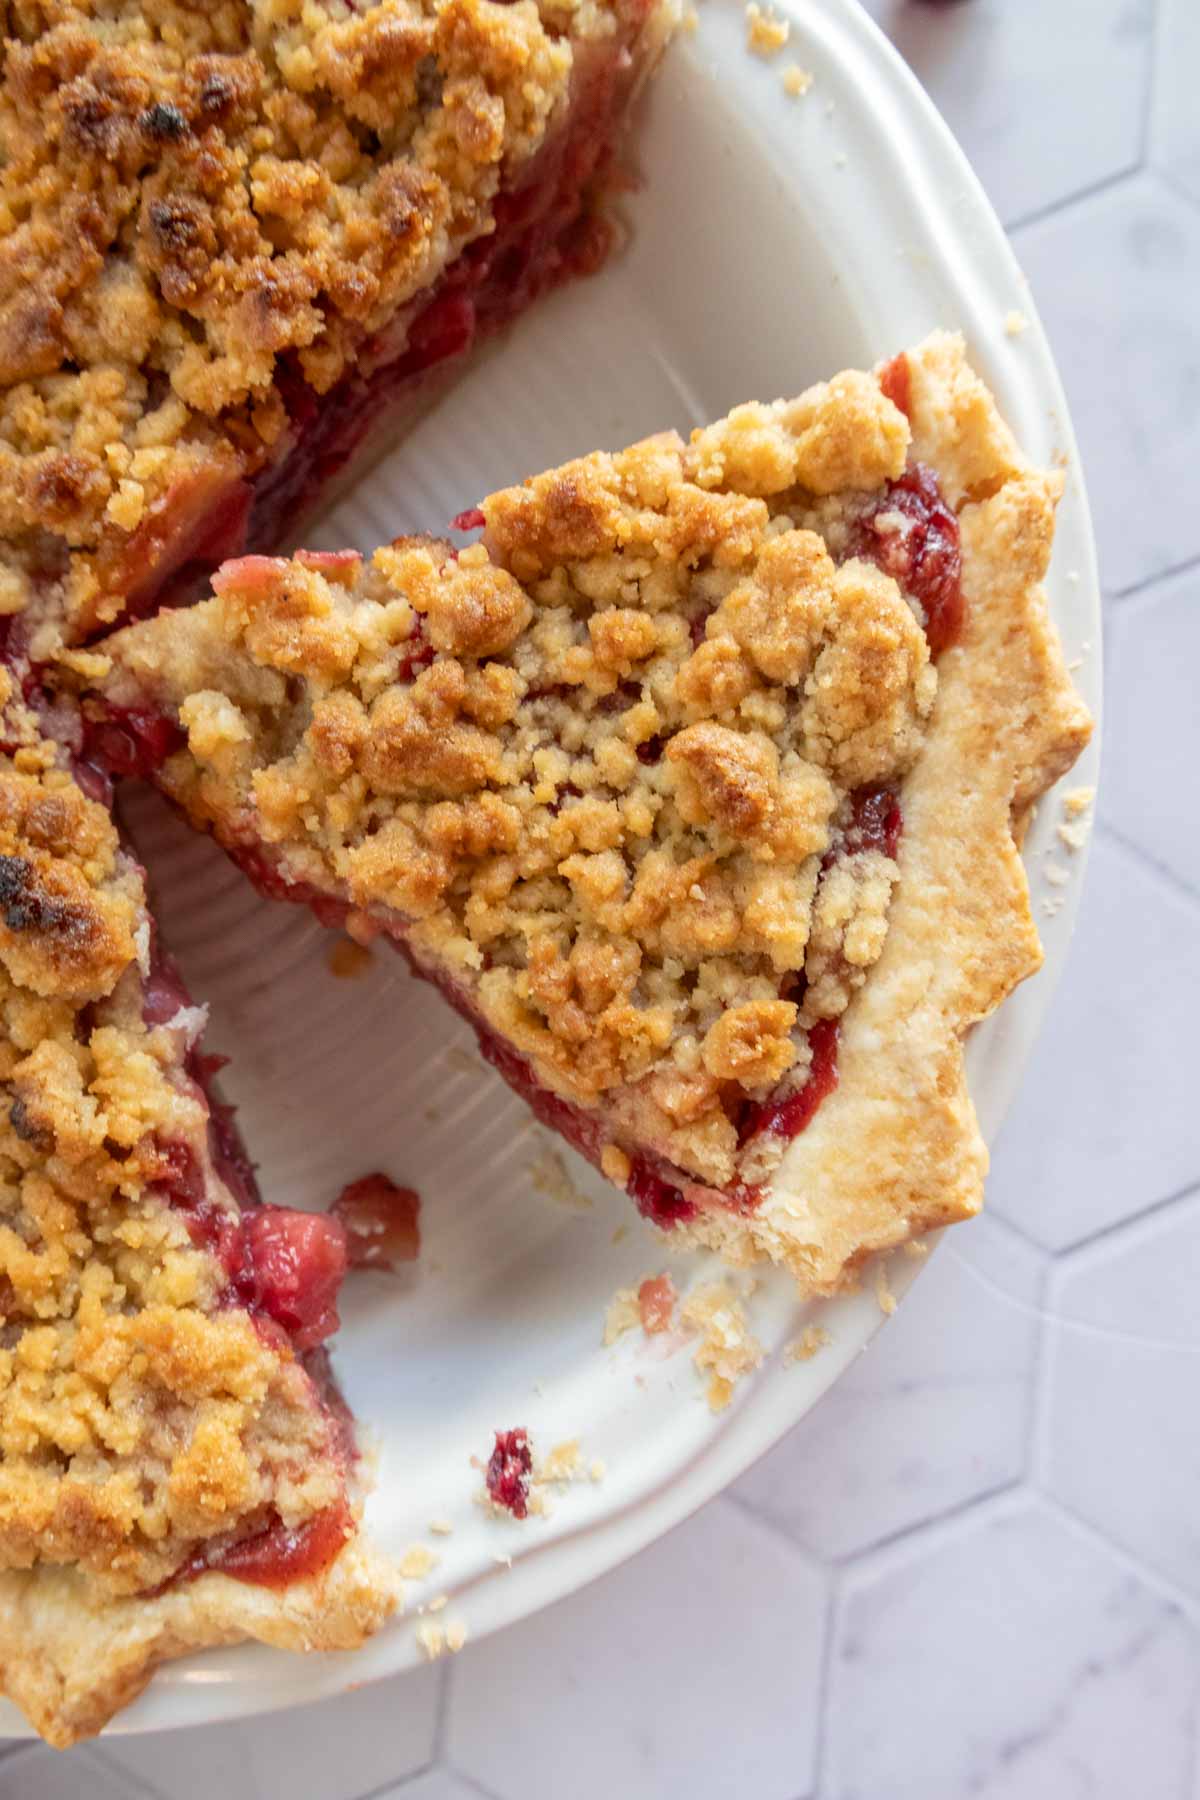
{"type": "Point", "coordinates": [766, 32]}
{"type": "Point", "coordinates": [347, 959]}
{"type": "Point", "coordinates": [796, 81]}
{"type": "Point", "coordinates": [417, 1562]}
{"type": "Point", "coordinates": [884, 1296]}
{"type": "Point", "coordinates": [436, 1639]}
{"type": "Point", "coordinates": [651, 1304]}
{"type": "Point", "coordinates": [803, 1348]}
{"type": "Point", "coordinates": [1055, 873]}
{"type": "Point", "coordinates": [550, 1176]}
{"type": "Point", "coordinates": [597, 1469]}
{"type": "Point", "coordinates": [728, 1348]}
{"type": "Point", "coordinates": [440, 1527]}
{"type": "Point", "coordinates": [503, 1558]}
{"type": "Point", "coordinates": [1015, 323]}
{"type": "Point", "coordinates": [1075, 826]}
{"type": "Point", "coordinates": [690, 20]}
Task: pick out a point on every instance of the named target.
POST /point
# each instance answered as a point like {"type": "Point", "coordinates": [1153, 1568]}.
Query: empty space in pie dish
{"type": "Point", "coordinates": [774, 241]}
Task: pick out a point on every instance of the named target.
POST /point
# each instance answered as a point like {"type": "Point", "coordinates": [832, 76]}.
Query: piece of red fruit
{"type": "Point", "coordinates": [508, 1471]}
{"type": "Point", "coordinates": [382, 1222]}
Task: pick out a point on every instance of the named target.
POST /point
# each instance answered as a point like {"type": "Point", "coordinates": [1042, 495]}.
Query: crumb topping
{"type": "Point", "coordinates": [728, 1349]}
{"type": "Point", "coordinates": [136, 1417]}
{"type": "Point", "coordinates": [203, 204]}
{"type": "Point", "coordinates": [604, 766]}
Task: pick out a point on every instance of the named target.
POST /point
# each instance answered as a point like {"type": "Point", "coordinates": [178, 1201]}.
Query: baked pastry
{"type": "Point", "coordinates": [235, 242]}
{"type": "Point", "coordinates": [237, 237]}
{"type": "Point", "coordinates": [696, 784]}
{"type": "Point", "coordinates": [176, 1467]}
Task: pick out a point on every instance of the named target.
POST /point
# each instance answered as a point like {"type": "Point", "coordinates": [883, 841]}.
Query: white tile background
{"type": "Point", "coordinates": [975, 1569]}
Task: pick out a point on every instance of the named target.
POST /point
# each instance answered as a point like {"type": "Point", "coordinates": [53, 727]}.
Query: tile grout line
{"type": "Point", "coordinates": [1133, 590]}
{"type": "Point", "coordinates": [1103, 1233]}
{"type": "Point", "coordinates": [1040, 215]}
{"type": "Point", "coordinates": [1186, 1605]}
{"type": "Point", "coordinates": [851, 1560]}
{"type": "Point", "coordinates": [825, 1677]}
{"type": "Point", "coordinates": [1181, 889]}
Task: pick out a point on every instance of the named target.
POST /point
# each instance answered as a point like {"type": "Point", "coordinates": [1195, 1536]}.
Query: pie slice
{"type": "Point", "coordinates": [176, 1467]}
{"type": "Point", "coordinates": [696, 784]}
{"type": "Point", "coordinates": [239, 238]}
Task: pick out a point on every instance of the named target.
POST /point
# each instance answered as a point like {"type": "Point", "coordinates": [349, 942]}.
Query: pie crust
{"type": "Point", "coordinates": [697, 784]}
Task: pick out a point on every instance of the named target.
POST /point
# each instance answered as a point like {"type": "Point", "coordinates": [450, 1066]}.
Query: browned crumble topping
{"type": "Point", "coordinates": [134, 1420]}
{"type": "Point", "coordinates": [597, 761]}
{"type": "Point", "coordinates": [191, 196]}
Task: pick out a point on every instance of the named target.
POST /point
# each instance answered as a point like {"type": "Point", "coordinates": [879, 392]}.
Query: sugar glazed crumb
{"type": "Point", "coordinates": [728, 1349]}
{"type": "Point", "coordinates": [766, 32]}
{"type": "Point", "coordinates": [601, 761]}
{"type": "Point", "coordinates": [796, 81]}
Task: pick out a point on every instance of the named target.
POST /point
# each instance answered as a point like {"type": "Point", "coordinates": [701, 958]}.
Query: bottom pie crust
{"type": "Point", "coordinates": [72, 1655]}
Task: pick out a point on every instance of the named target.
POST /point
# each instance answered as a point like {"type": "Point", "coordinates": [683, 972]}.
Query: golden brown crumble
{"type": "Point", "coordinates": [193, 197]}
{"type": "Point", "coordinates": [606, 803]}
{"type": "Point", "coordinates": [135, 1420]}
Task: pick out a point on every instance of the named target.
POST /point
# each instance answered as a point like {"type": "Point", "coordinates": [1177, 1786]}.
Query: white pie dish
{"type": "Point", "coordinates": [775, 241]}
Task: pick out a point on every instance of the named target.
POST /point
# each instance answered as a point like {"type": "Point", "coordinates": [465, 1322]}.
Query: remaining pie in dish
{"type": "Point", "coordinates": [696, 784]}
{"type": "Point", "coordinates": [177, 1469]}
{"type": "Point", "coordinates": [237, 236]}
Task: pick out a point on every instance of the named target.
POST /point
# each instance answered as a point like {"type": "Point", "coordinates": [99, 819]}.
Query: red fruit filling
{"type": "Point", "coordinates": [276, 1556]}
{"type": "Point", "coordinates": [508, 1471]}
{"type": "Point", "coordinates": [133, 740]}
{"type": "Point", "coordinates": [876, 822]}
{"type": "Point", "coordinates": [787, 1117]}
{"type": "Point", "coordinates": [471, 520]}
{"type": "Point", "coordinates": [382, 1222]}
{"type": "Point", "coordinates": [292, 1264]}
{"type": "Point", "coordinates": [921, 552]}
{"type": "Point", "coordinates": [282, 1265]}
{"type": "Point", "coordinates": [656, 1198]}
